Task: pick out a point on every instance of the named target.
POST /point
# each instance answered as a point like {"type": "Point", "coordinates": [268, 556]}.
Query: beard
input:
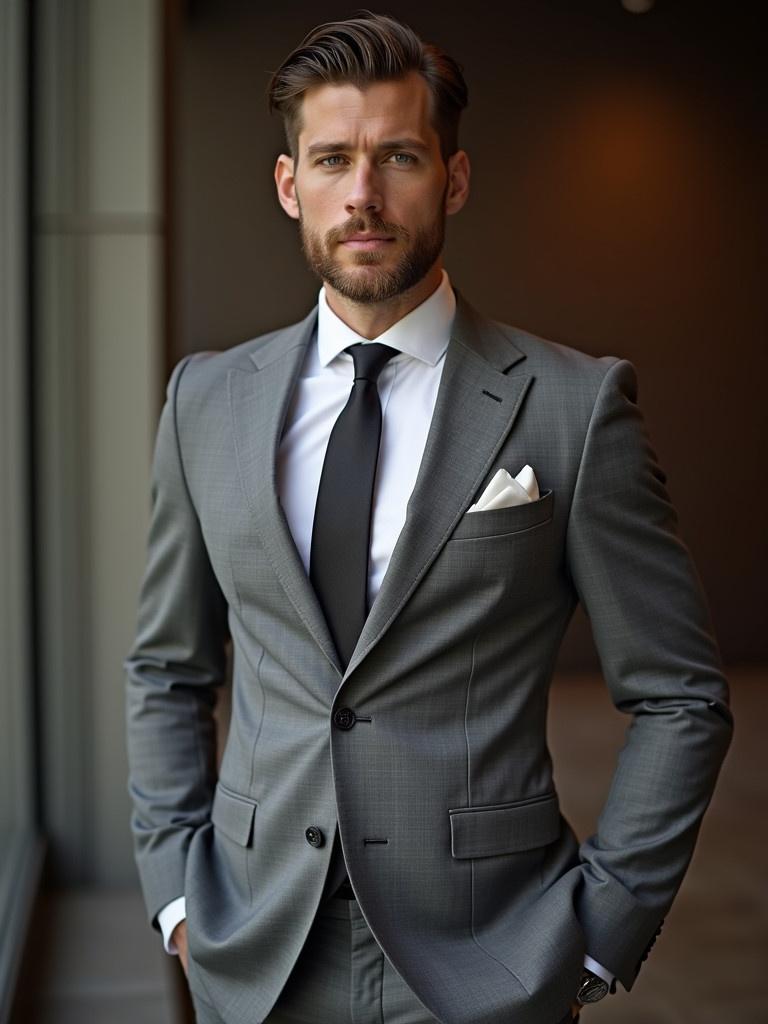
{"type": "Point", "coordinates": [420, 251]}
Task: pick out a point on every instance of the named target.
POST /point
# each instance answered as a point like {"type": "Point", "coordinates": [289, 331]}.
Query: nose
{"type": "Point", "coordinates": [364, 194]}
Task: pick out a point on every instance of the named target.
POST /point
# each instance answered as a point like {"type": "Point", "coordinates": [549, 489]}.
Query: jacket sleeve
{"type": "Point", "coordinates": [651, 625]}
{"type": "Point", "coordinates": [179, 655]}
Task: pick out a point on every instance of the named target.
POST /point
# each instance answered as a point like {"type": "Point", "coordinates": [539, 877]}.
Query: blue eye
{"type": "Point", "coordinates": [325, 159]}
{"type": "Point", "coordinates": [408, 158]}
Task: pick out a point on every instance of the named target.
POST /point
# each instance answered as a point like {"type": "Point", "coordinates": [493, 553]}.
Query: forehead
{"type": "Point", "coordinates": [391, 109]}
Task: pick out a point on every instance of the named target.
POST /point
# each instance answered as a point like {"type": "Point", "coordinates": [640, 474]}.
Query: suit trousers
{"type": "Point", "coordinates": [343, 977]}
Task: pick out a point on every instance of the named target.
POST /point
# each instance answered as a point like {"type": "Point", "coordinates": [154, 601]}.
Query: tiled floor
{"type": "Point", "coordinates": [100, 964]}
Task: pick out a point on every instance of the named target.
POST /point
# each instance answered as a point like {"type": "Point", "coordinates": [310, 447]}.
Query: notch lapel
{"type": "Point", "coordinates": [259, 398]}
{"type": "Point", "coordinates": [467, 430]}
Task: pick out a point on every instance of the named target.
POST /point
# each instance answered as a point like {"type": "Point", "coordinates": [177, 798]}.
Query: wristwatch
{"type": "Point", "coordinates": [591, 989]}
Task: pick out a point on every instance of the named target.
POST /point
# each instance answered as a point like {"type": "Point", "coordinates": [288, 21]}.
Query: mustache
{"type": "Point", "coordinates": [373, 225]}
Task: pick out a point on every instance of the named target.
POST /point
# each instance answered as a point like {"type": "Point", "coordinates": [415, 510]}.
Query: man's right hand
{"type": "Point", "coordinates": [179, 938]}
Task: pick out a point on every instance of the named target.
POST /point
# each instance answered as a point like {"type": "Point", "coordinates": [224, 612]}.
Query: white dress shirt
{"type": "Point", "coordinates": [408, 387]}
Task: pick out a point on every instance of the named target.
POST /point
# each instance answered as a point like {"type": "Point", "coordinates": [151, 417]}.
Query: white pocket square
{"type": "Point", "coordinates": [504, 490]}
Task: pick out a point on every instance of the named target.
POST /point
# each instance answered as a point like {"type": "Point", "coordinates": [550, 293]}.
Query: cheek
{"type": "Point", "coordinates": [328, 212]}
{"type": "Point", "coordinates": [421, 199]}
{"type": "Point", "coordinates": [317, 202]}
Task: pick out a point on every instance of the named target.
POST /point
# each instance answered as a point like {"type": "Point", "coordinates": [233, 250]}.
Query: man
{"type": "Point", "coordinates": [395, 559]}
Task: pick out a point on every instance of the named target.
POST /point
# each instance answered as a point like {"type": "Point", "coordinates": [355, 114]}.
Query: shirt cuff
{"type": "Point", "coordinates": [168, 918]}
{"type": "Point", "coordinates": [598, 969]}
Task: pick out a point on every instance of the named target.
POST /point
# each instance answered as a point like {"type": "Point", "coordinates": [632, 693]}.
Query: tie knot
{"type": "Point", "coordinates": [370, 359]}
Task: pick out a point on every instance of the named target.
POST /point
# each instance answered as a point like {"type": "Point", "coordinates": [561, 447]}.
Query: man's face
{"type": "Point", "coordinates": [369, 188]}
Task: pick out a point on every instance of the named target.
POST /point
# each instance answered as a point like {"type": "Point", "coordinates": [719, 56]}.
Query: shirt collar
{"type": "Point", "coordinates": [423, 333]}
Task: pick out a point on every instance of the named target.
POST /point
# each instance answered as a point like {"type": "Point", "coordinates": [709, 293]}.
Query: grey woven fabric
{"type": "Point", "coordinates": [343, 976]}
{"type": "Point", "coordinates": [441, 784]}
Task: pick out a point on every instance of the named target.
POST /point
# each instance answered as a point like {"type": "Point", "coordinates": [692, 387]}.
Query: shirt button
{"type": "Point", "coordinates": [344, 718]}
{"type": "Point", "coordinates": [314, 836]}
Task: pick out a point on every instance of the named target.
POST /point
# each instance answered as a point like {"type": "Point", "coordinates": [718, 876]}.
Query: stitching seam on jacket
{"type": "Point", "coordinates": [254, 823]}
{"type": "Point", "coordinates": [466, 716]}
{"type": "Point", "coordinates": [174, 406]}
{"type": "Point", "coordinates": [480, 944]}
{"type": "Point", "coordinates": [587, 435]}
{"type": "Point", "coordinates": [199, 741]}
{"type": "Point", "coordinates": [475, 939]}
{"type": "Point", "coordinates": [507, 533]}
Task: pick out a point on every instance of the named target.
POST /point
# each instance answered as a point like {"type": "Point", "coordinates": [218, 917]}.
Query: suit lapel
{"type": "Point", "coordinates": [259, 397]}
{"type": "Point", "coordinates": [476, 406]}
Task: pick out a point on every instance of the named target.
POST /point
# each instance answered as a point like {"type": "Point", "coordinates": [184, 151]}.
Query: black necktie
{"type": "Point", "coordinates": [338, 561]}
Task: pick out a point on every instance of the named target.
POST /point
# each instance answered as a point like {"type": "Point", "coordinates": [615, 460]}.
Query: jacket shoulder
{"type": "Point", "coordinates": [202, 372]}
{"type": "Point", "coordinates": [545, 356]}
{"type": "Point", "coordinates": [570, 379]}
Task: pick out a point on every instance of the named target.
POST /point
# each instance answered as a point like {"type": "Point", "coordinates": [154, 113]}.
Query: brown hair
{"type": "Point", "coordinates": [368, 48]}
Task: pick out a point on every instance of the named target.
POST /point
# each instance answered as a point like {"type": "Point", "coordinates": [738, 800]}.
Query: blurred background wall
{"type": "Point", "coordinates": [98, 367]}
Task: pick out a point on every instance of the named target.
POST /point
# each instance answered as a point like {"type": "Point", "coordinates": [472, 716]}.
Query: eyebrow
{"type": "Point", "coordinates": [340, 147]}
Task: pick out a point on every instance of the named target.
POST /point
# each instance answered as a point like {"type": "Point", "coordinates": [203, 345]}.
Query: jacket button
{"type": "Point", "coordinates": [344, 718]}
{"type": "Point", "coordinates": [314, 836]}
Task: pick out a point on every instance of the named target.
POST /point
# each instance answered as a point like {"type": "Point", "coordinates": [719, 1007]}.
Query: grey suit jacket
{"type": "Point", "coordinates": [468, 875]}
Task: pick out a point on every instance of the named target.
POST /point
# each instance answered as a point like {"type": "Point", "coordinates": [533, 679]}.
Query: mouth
{"type": "Point", "coordinates": [366, 241]}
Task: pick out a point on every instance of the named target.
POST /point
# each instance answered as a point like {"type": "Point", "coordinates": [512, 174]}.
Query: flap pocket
{"type": "Point", "coordinates": [504, 828]}
{"type": "Point", "coordinates": [492, 522]}
{"type": "Point", "coordinates": [233, 814]}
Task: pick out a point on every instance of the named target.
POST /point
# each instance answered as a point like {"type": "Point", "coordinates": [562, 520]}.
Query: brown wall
{"type": "Point", "coordinates": [617, 206]}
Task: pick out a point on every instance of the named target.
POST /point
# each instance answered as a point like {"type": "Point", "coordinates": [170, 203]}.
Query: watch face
{"type": "Point", "coordinates": [592, 988]}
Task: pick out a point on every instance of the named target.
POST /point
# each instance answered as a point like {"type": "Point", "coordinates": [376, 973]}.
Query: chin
{"type": "Point", "coordinates": [372, 258]}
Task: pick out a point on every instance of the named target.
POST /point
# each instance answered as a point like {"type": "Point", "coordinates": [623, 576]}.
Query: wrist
{"type": "Point", "coordinates": [592, 988]}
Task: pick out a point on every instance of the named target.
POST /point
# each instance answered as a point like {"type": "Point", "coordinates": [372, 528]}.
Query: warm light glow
{"type": "Point", "coordinates": [637, 6]}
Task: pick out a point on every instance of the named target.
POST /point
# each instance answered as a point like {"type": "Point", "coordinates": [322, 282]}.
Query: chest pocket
{"type": "Point", "coordinates": [500, 521]}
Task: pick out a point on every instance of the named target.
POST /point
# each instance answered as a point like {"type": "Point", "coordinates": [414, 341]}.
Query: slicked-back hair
{"type": "Point", "coordinates": [361, 50]}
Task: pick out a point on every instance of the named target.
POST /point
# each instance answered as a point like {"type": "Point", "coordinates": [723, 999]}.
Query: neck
{"type": "Point", "coordinates": [370, 319]}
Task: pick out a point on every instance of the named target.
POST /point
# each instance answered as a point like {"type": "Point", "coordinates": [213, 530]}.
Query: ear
{"type": "Point", "coordinates": [286, 185]}
{"type": "Point", "coordinates": [457, 192]}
